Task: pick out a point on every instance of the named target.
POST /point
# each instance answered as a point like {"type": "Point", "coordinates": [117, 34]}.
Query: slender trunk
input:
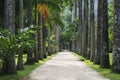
{"type": "Point", "coordinates": [80, 28]}
{"type": "Point", "coordinates": [73, 46]}
{"type": "Point", "coordinates": [89, 34]}
{"type": "Point", "coordinates": [20, 65]}
{"type": "Point", "coordinates": [98, 42]}
{"type": "Point", "coordinates": [49, 34]}
{"type": "Point", "coordinates": [104, 63]}
{"type": "Point", "coordinates": [8, 65]}
{"type": "Point", "coordinates": [44, 38]}
{"type": "Point", "coordinates": [116, 33]}
{"type": "Point", "coordinates": [40, 40]}
{"type": "Point", "coordinates": [30, 59]}
{"type": "Point", "coordinates": [36, 35]}
{"type": "Point", "coordinates": [85, 33]}
{"type": "Point", "coordinates": [92, 30]}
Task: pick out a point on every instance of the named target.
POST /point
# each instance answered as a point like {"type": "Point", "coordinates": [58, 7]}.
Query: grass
{"type": "Point", "coordinates": [25, 72]}
{"type": "Point", "coordinates": [104, 72]}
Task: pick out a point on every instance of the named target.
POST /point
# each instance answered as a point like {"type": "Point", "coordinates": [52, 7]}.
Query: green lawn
{"type": "Point", "coordinates": [105, 72]}
{"type": "Point", "coordinates": [23, 73]}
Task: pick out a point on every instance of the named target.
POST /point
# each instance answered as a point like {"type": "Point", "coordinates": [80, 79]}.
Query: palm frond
{"type": "Point", "coordinates": [51, 4]}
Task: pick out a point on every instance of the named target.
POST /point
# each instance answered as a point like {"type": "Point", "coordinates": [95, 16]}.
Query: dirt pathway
{"type": "Point", "coordinates": [64, 66]}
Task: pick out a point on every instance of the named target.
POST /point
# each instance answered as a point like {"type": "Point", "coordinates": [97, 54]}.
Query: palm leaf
{"type": "Point", "coordinates": [51, 4]}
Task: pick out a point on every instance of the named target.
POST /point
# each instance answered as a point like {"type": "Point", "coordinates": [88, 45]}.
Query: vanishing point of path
{"type": "Point", "coordinates": [64, 66]}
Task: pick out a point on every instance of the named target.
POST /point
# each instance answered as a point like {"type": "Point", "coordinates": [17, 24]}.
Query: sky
{"type": "Point", "coordinates": [96, 2]}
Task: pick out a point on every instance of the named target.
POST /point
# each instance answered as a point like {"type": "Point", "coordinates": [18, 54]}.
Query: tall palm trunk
{"type": "Point", "coordinates": [104, 63]}
{"type": "Point", "coordinates": [116, 33]}
{"type": "Point", "coordinates": [20, 53]}
{"type": "Point", "coordinates": [36, 54]}
{"type": "Point", "coordinates": [49, 45]}
{"type": "Point", "coordinates": [57, 37]}
{"type": "Point", "coordinates": [30, 59]}
{"type": "Point", "coordinates": [40, 37]}
{"type": "Point", "coordinates": [8, 65]}
{"type": "Point", "coordinates": [80, 28]}
{"type": "Point", "coordinates": [98, 41]}
{"type": "Point", "coordinates": [85, 29]}
{"type": "Point", "coordinates": [89, 33]}
{"type": "Point", "coordinates": [92, 30]}
{"type": "Point", "coordinates": [44, 38]}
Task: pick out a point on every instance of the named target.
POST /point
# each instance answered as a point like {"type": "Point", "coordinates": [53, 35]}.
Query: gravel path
{"type": "Point", "coordinates": [64, 66]}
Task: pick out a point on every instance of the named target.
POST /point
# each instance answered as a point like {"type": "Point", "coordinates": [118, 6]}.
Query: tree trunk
{"type": "Point", "coordinates": [116, 33]}
{"type": "Point", "coordinates": [98, 42]}
{"type": "Point", "coordinates": [40, 39]}
{"type": "Point", "coordinates": [104, 63]}
{"type": "Point", "coordinates": [8, 65]}
{"type": "Point", "coordinates": [36, 35]}
{"type": "Point", "coordinates": [57, 37]}
{"type": "Point", "coordinates": [92, 30]}
{"type": "Point", "coordinates": [44, 38]}
{"type": "Point", "coordinates": [20, 65]}
{"type": "Point", "coordinates": [85, 29]}
{"type": "Point", "coordinates": [80, 29]}
{"type": "Point", "coordinates": [30, 59]}
{"type": "Point", "coordinates": [49, 34]}
{"type": "Point", "coordinates": [89, 34]}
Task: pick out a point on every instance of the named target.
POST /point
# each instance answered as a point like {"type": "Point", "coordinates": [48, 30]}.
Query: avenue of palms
{"type": "Point", "coordinates": [32, 30]}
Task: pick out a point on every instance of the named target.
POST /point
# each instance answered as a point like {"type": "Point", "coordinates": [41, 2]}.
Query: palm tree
{"type": "Point", "coordinates": [40, 38]}
{"type": "Point", "coordinates": [30, 59]}
{"type": "Point", "coordinates": [42, 20]}
{"type": "Point", "coordinates": [89, 33]}
{"type": "Point", "coordinates": [80, 28]}
{"type": "Point", "coordinates": [20, 53]}
{"type": "Point", "coordinates": [92, 30]}
{"type": "Point", "coordinates": [44, 31]}
{"type": "Point", "coordinates": [8, 65]}
{"type": "Point", "coordinates": [98, 42]}
{"type": "Point", "coordinates": [36, 51]}
{"type": "Point", "coordinates": [116, 33]}
{"type": "Point", "coordinates": [85, 28]}
{"type": "Point", "coordinates": [104, 63]}
{"type": "Point", "coordinates": [1, 13]}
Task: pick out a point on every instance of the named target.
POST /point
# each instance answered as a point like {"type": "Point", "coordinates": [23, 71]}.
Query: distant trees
{"type": "Point", "coordinates": [91, 46]}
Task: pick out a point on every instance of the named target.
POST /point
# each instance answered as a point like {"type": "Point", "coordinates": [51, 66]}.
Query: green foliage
{"type": "Point", "coordinates": [111, 24]}
{"type": "Point", "coordinates": [10, 44]}
{"type": "Point", "coordinates": [69, 32]}
{"type": "Point", "coordinates": [24, 38]}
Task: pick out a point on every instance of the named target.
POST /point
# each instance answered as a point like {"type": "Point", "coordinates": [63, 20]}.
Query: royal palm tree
{"type": "Point", "coordinates": [92, 30]}
{"type": "Point", "coordinates": [85, 28]}
{"type": "Point", "coordinates": [30, 59]}
{"type": "Point", "coordinates": [80, 28]}
{"type": "Point", "coordinates": [116, 33]}
{"type": "Point", "coordinates": [104, 62]}
{"type": "Point", "coordinates": [8, 65]}
{"type": "Point", "coordinates": [20, 53]}
{"type": "Point", "coordinates": [98, 41]}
